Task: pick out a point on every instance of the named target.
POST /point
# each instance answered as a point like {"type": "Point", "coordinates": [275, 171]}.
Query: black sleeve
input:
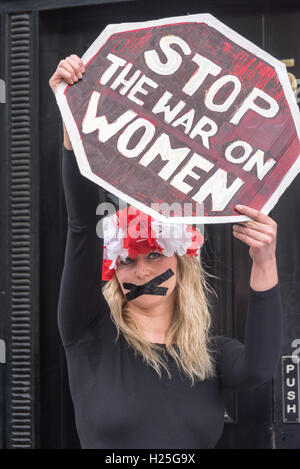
{"type": "Point", "coordinates": [243, 367]}
{"type": "Point", "coordinates": [81, 302]}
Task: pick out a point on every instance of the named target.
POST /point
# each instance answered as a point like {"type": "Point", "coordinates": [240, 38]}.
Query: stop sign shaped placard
{"type": "Point", "coordinates": [183, 118]}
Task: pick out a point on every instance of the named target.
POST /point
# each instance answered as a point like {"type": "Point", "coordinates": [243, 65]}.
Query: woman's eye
{"type": "Point", "coordinates": [154, 255]}
{"type": "Point", "coordinates": [129, 260]}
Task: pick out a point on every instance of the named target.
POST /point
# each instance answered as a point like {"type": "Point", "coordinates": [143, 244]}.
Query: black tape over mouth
{"type": "Point", "coordinates": [149, 288]}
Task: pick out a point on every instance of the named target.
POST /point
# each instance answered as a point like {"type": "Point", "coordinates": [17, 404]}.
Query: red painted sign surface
{"type": "Point", "coordinates": [187, 113]}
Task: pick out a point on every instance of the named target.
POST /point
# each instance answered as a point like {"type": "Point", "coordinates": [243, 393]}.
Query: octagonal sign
{"type": "Point", "coordinates": [183, 118]}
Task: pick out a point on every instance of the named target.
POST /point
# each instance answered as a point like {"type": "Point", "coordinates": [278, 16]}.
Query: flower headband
{"type": "Point", "coordinates": [130, 232]}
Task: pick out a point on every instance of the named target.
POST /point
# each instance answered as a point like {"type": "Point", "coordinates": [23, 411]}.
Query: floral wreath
{"type": "Point", "coordinates": [130, 232]}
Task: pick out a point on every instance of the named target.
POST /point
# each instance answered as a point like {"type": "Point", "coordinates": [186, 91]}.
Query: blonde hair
{"type": "Point", "coordinates": [190, 325]}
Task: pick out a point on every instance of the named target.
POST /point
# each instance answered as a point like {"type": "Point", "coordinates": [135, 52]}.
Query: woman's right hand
{"type": "Point", "coordinates": [70, 70]}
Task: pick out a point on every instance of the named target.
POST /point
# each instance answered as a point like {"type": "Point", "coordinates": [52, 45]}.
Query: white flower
{"type": "Point", "coordinates": [113, 241]}
{"type": "Point", "coordinates": [172, 237]}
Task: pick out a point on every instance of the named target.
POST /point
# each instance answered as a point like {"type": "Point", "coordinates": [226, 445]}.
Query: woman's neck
{"type": "Point", "coordinates": [154, 322]}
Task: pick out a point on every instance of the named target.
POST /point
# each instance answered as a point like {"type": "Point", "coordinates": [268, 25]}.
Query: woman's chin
{"type": "Point", "coordinates": [148, 301]}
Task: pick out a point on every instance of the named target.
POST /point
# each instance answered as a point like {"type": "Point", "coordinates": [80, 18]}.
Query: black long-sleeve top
{"type": "Point", "coordinates": [120, 401]}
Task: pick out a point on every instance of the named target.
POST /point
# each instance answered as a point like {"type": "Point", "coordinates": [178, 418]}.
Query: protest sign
{"type": "Point", "coordinates": [184, 114]}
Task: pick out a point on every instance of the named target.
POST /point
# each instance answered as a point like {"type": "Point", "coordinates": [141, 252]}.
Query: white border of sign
{"type": "Point", "coordinates": [84, 167]}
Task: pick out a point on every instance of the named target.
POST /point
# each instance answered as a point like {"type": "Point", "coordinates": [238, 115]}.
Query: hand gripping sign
{"type": "Point", "coordinates": [184, 113]}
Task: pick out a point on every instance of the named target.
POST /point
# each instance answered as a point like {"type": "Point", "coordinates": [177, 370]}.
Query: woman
{"type": "Point", "coordinates": [144, 371]}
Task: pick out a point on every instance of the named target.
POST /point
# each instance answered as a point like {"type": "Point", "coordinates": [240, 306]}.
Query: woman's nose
{"type": "Point", "coordinates": [142, 270]}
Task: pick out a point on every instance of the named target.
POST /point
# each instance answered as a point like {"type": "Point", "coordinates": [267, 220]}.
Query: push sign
{"type": "Point", "coordinates": [290, 390]}
{"type": "Point", "coordinates": [184, 113]}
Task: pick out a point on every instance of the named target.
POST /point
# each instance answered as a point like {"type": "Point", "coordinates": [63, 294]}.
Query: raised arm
{"type": "Point", "coordinates": [245, 366]}
{"type": "Point", "coordinates": [81, 302]}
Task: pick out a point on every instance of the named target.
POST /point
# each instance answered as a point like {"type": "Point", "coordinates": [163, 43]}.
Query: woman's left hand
{"type": "Point", "coordinates": [259, 233]}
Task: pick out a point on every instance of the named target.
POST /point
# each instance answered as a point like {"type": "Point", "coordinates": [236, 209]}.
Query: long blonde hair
{"type": "Point", "coordinates": [188, 338]}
